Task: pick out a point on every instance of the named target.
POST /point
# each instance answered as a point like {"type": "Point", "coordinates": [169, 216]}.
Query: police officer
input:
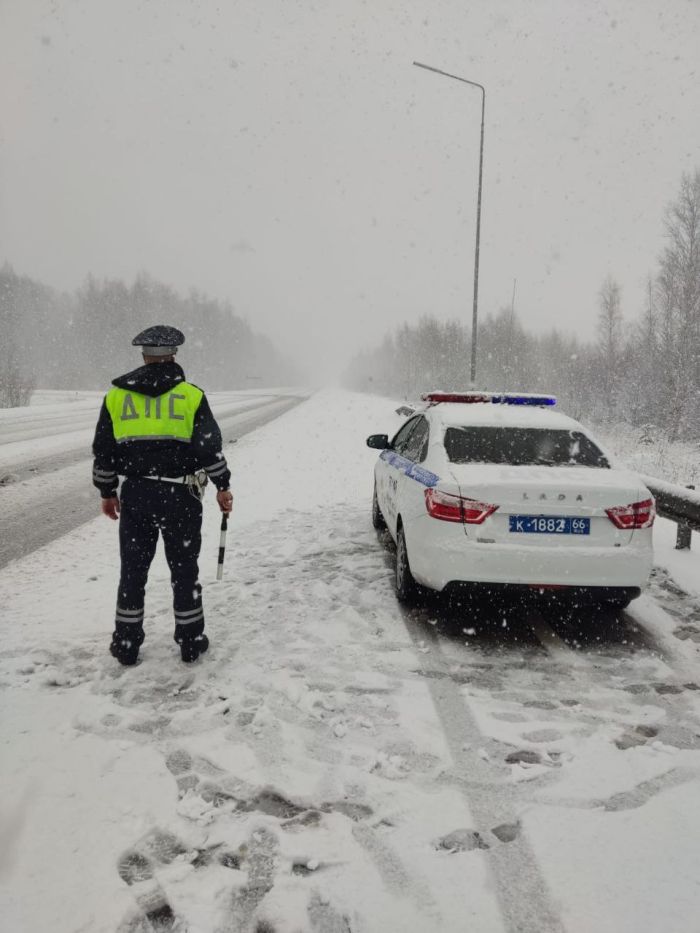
{"type": "Point", "coordinates": [157, 430]}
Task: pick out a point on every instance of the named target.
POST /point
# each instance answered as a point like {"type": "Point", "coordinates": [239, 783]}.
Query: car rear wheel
{"type": "Point", "coordinates": [377, 517]}
{"type": "Point", "coordinates": [615, 598]}
{"type": "Point", "coordinates": [406, 586]}
{"type": "Point", "coordinates": [616, 603]}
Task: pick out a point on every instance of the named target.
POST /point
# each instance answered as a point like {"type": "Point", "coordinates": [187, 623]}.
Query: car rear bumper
{"type": "Point", "coordinates": [440, 554]}
{"type": "Point", "coordinates": [526, 594]}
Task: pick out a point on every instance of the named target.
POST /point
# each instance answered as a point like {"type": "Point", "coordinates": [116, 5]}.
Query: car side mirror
{"type": "Point", "coordinates": [379, 441]}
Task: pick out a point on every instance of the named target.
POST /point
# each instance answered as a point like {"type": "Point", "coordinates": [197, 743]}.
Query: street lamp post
{"type": "Point", "coordinates": [478, 208]}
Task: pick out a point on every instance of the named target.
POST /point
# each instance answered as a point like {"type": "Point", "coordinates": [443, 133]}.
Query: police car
{"type": "Point", "coordinates": [501, 490]}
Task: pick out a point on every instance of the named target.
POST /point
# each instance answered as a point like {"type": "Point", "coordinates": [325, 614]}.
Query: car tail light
{"type": "Point", "coordinates": [450, 508]}
{"type": "Point", "coordinates": [637, 515]}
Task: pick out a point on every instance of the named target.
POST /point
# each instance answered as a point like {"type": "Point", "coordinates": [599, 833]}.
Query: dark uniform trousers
{"type": "Point", "coordinates": [147, 508]}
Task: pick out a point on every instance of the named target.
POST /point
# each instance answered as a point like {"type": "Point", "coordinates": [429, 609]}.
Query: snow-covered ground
{"type": "Point", "coordinates": [650, 452]}
{"type": "Point", "coordinates": [334, 764]}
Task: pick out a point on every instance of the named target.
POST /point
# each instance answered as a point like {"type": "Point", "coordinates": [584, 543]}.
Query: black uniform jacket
{"type": "Point", "coordinates": [157, 458]}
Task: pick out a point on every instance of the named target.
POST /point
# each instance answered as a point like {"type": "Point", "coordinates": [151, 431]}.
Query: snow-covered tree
{"type": "Point", "coordinates": [609, 342]}
{"type": "Point", "coordinates": [678, 290]}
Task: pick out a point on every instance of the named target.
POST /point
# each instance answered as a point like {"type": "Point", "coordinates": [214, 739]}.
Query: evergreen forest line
{"type": "Point", "coordinates": [57, 340]}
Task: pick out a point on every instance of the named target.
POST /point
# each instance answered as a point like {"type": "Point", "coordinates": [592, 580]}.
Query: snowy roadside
{"type": "Point", "coordinates": [650, 452]}
{"type": "Point", "coordinates": [305, 771]}
{"type": "Point", "coordinates": [676, 463]}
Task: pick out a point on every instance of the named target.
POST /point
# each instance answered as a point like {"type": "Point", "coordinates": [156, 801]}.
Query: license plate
{"type": "Point", "coordinates": [548, 525]}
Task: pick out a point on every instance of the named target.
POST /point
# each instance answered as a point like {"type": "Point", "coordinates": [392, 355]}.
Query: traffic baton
{"type": "Point", "coordinates": [222, 546]}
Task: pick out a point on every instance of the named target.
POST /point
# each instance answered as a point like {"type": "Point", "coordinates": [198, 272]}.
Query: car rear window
{"type": "Point", "coordinates": [522, 447]}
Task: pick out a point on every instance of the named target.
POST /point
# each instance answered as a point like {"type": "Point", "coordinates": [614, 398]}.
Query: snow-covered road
{"type": "Point", "coordinates": [335, 764]}
{"type": "Point", "coordinates": [43, 497]}
{"type": "Point", "coordinates": [60, 425]}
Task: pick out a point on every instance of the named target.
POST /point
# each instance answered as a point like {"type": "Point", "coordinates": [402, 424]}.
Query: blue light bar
{"type": "Point", "coordinates": [523, 400]}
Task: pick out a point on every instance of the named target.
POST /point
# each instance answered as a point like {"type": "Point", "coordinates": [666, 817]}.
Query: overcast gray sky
{"type": "Point", "coordinates": [287, 156]}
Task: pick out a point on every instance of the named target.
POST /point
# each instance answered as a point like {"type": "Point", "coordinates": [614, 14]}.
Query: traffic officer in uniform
{"type": "Point", "coordinates": [157, 430]}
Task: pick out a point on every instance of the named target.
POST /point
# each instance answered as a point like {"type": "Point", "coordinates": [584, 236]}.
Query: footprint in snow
{"type": "Point", "coordinates": [261, 858]}
{"type": "Point", "coordinates": [542, 735]}
{"type": "Point", "coordinates": [524, 756]}
{"type": "Point", "coordinates": [324, 918]}
{"type": "Point", "coordinates": [506, 832]}
{"type": "Point", "coordinates": [663, 689]}
{"type": "Point", "coordinates": [198, 776]}
{"type": "Point", "coordinates": [461, 840]}
{"type": "Point", "coordinates": [540, 704]}
{"type": "Point", "coordinates": [136, 868]}
{"type": "Point", "coordinates": [309, 819]}
{"type": "Point", "coordinates": [272, 804]}
{"type": "Point", "coordinates": [353, 810]}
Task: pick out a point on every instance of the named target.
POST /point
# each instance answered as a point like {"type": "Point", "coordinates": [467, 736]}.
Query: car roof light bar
{"type": "Point", "coordinates": [495, 398]}
{"type": "Point", "coordinates": [523, 399]}
{"type": "Point", "coordinates": [435, 398]}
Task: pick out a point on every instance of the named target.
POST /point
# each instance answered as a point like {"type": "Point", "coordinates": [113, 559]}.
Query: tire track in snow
{"type": "Point", "coordinates": [393, 872]}
{"type": "Point", "coordinates": [680, 655]}
{"type": "Point", "coordinates": [522, 893]}
{"type": "Point", "coordinates": [605, 654]}
{"type": "Point", "coordinates": [647, 626]}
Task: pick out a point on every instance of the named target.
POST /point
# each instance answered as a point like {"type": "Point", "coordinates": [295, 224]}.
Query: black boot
{"type": "Point", "coordinates": [191, 648]}
{"type": "Point", "coordinates": [126, 641]}
{"type": "Point", "coordinates": [125, 650]}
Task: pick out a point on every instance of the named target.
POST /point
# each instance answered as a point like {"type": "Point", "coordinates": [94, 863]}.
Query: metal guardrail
{"type": "Point", "coordinates": [679, 503]}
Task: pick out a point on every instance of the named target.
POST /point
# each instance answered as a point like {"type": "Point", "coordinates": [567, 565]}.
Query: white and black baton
{"type": "Point", "coordinates": [222, 547]}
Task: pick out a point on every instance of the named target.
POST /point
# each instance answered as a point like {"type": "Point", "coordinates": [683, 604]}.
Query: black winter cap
{"type": "Point", "coordinates": [160, 336]}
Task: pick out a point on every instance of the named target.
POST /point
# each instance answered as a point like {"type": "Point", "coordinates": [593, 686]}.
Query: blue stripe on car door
{"type": "Point", "coordinates": [410, 469]}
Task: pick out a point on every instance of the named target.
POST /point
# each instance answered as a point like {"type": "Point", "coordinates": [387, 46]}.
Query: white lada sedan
{"type": "Point", "coordinates": [502, 491]}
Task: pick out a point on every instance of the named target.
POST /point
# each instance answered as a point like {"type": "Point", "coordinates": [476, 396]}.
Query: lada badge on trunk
{"type": "Point", "coordinates": [559, 497]}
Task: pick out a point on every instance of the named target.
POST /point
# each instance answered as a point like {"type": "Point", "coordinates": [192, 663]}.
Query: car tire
{"type": "Point", "coordinates": [616, 599]}
{"type": "Point", "coordinates": [406, 586]}
{"type": "Point", "coordinates": [617, 604]}
{"type": "Point", "coordinates": [377, 517]}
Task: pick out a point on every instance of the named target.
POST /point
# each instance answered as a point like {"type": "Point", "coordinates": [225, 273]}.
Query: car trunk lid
{"type": "Point", "coordinates": [547, 492]}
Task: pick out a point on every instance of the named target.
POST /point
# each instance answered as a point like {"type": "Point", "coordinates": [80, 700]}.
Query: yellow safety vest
{"type": "Point", "coordinates": [168, 417]}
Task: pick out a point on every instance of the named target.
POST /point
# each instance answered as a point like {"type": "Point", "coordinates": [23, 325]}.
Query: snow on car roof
{"type": "Point", "coordinates": [454, 414]}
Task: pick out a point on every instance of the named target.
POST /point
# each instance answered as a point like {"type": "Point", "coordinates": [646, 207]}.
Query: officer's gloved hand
{"type": "Point", "coordinates": [225, 499]}
{"type": "Point", "coordinates": [110, 507]}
